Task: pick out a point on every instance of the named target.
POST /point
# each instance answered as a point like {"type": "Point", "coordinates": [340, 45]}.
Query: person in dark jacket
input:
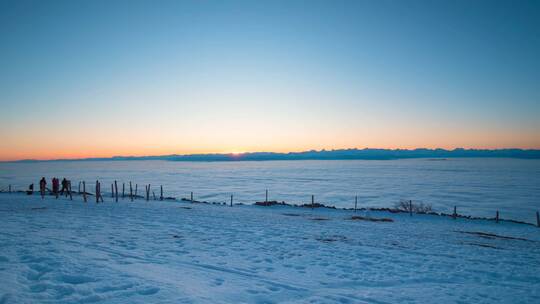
{"type": "Point", "coordinates": [64, 186]}
{"type": "Point", "coordinates": [55, 186]}
{"type": "Point", "coordinates": [42, 186]}
{"type": "Point", "coordinates": [30, 190]}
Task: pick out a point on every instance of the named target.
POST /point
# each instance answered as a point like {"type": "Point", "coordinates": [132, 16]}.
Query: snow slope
{"type": "Point", "coordinates": [61, 251]}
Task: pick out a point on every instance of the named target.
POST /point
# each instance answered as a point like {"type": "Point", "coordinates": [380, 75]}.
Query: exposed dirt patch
{"type": "Point", "coordinates": [480, 245]}
{"type": "Point", "coordinates": [492, 236]}
{"type": "Point", "coordinates": [270, 203]}
{"type": "Point", "coordinates": [319, 219]}
{"type": "Point", "coordinates": [332, 238]}
{"type": "Point", "coordinates": [371, 219]}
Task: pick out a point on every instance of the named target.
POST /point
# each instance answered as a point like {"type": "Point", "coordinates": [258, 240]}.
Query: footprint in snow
{"type": "Point", "coordinates": [273, 288]}
{"type": "Point", "coordinates": [105, 289]}
{"type": "Point", "coordinates": [76, 279]}
{"type": "Point", "coordinates": [148, 291]}
{"type": "Point", "coordinates": [37, 288]}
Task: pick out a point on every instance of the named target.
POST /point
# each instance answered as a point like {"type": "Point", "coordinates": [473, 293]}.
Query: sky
{"type": "Point", "coordinates": [103, 78]}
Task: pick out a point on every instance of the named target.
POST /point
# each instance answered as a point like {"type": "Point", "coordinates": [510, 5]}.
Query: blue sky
{"type": "Point", "coordinates": [161, 77]}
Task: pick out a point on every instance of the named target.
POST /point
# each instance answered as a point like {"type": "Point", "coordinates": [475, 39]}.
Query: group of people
{"type": "Point", "coordinates": [56, 190]}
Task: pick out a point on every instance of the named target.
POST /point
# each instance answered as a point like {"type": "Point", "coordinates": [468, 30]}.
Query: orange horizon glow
{"type": "Point", "coordinates": [157, 152]}
{"type": "Point", "coordinates": [169, 138]}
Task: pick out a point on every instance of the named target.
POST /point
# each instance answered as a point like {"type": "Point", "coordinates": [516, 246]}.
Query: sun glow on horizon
{"type": "Point", "coordinates": [236, 153]}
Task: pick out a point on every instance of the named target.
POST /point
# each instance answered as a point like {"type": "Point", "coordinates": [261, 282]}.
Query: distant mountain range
{"type": "Point", "coordinates": [367, 154]}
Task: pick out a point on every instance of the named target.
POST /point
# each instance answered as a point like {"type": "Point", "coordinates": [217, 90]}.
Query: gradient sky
{"type": "Point", "coordinates": [103, 78]}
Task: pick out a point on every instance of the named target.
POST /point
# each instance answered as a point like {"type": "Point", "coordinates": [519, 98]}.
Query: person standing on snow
{"type": "Point", "coordinates": [30, 190]}
{"type": "Point", "coordinates": [42, 186]}
{"type": "Point", "coordinates": [55, 186]}
{"type": "Point", "coordinates": [64, 186]}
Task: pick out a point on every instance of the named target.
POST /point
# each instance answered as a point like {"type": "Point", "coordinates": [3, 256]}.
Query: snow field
{"type": "Point", "coordinates": [61, 251]}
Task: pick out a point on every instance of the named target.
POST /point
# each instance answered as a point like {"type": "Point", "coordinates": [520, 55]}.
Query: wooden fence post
{"type": "Point", "coordinates": [116, 191]}
{"type": "Point", "coordinates": [123, 188]}
{"type": "Point", "coordinates": [153, 195]}
{"type": "Point", "coordinates": [312, 201]}
{"type": "Point", "coordinates": [161, 192]}
{"type": "Point", "coordinates": [410, 207]}
{"type": "Point", "coordinates": [537, 219]}
{"type": "Point", "coordinates": [355, 202]}
{"type": "Point", "coordinates": [130, 192]}
{"type": "Point", "coordinates": [191, 197]}
{"type": "Point", "coordinates": [97, 191]}
{"type": "Point", "coordinates": [84, 190]}
{"type": "Point", "coordinates": [135, 190]}
{"type": "Point", "coordinates": [232, 200]}
{"type": "Point", "coordinates": [100, 196]}
{"type": "Point", "coordinates": [148, 193]}
{"type": "Point", "coordinates": [455, 213]}
{"type": "Point", "coordinates": [497, 217]}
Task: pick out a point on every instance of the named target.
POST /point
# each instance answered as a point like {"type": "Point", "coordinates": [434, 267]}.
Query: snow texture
{"type": "Point", "coordinates": [61, 251]}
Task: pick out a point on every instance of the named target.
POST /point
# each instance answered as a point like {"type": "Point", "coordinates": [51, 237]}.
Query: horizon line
{"type": "Point", "coordinates": [384, 154]}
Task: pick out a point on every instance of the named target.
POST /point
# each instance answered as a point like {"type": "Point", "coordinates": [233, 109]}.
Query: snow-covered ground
{"type": "Point", "coordinates": [61, 251]}
{"type": "Point", "coordinates": [478, 187]}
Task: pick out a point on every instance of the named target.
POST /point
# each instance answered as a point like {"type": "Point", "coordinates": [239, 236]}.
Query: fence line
{"type": "Point", "coordinates": [114, 194]}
